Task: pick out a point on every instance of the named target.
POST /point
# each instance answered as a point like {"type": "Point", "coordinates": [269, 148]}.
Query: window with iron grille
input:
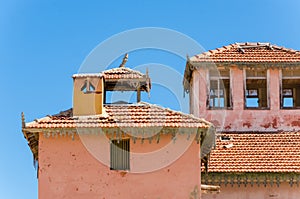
{"type": "Point", "coordinates": [120, 154]}
{"type": "Point", "coordinates": [290, 88]}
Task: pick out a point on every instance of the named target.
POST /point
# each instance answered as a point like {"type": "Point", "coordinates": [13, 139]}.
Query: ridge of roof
{"type": "Point", "coordinates": [124, 117]}
{"type": "Point", "coordinates": [35, 121]}
{"type": "Point", "coordinates": [62, 113]}
{"type": "Point", "coordinates": [121, 69]}
{"type": "Point", "coordinates": [240, 47]}
{"type": "Point", "coordinates": [79, 75]}
{"type": "Point", "coordinates": [121, 72]}
{"type": "Point", "coordinates": [107, 73]}
{"type": "Point", "coordinates": [178, 112]}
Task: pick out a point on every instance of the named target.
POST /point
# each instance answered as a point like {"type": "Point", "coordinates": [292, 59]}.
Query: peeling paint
{"type": "Point", "coordinates": [247, 124]}
{"type": "Point", "coordinates": [123, 173]}
{"type": "Point", "coordinates": [296, 123]}
{"type": "Point", "coordinates": [240, 119]}
{"type": "Point", "coordinates": [195, 193]}
{"type": "Point", "coordinates": [267, 125]}
{"type": "Point", "coordinates": [216, 123]}
{"type": "Point", "coordinates": [274, 124]}
{"type": "Point", "coordinates": [86, 177]}
{"type": "Point", "coordinates": [228, 127]}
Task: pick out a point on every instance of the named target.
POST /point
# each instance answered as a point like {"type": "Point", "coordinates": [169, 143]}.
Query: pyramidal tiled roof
{"type": "Point", "coordinates": [123, 115]}
{"type": "Point", "coordinates": [122, 73]}
{"type": "Point", "coordinates": [249, 52]}
{"type": "Point", "coordinates": [115, 73]}
{"type": "Point", "coordinates": [256, 152]}
{"type": "Point", "coordinates": [244, 54]}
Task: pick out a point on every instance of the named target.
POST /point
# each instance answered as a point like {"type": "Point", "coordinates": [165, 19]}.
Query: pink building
{"type": "Point", "coordinates": [251, 93]}
{"type": "Point", "coordinates": [117, 150]}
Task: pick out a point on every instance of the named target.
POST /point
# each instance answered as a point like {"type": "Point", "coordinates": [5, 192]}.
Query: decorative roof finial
{"type": "Point", "coordinates": [124, 61]}
{"type": "Point", "coordinates": [147, 72]}
{"type": "Point", "coordinates": [23, 120]}
{"type": "Point", "coordinates": [148, 82]}
{"type": "Point", "coordinates": [188, 58]}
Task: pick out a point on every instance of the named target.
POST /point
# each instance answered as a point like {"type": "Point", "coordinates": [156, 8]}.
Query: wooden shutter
{"type": "Point", "coordinates": [119, 155]}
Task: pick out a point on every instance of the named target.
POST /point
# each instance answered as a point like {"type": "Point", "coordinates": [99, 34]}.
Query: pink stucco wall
{"type": "Point", "coordinates": [284, 191]}
{"type": "Point", "coordinates": [238, 118]}
{"type": "Point", "coordinates": [68, 170]}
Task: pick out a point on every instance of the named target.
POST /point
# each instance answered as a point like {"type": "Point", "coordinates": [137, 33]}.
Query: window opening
{"type": "Point", "coordinates": [256, 95]}
{"type": "Point", "coordinates": [219, 91]}
{"type": "Point", "coordinates": [119, 154]}
{"type": "Point", "coordinates": [87, 87]}
{"type": "Point", "coordinates": [290, 88]}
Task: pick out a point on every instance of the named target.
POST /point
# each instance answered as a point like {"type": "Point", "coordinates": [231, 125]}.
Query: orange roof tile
{"type": "Point", "coordinates": [249, 52]}
{"type": "Point", "coordinates": [115, 73]}
{"type": "Point", "coordinates": [122, 73]}
{"type": "Point", "coordinates": [123, 115]}
{"type": "Point", "coordinates": [256, 152]}
{"type": "Point", "coordinates": [243, 54]}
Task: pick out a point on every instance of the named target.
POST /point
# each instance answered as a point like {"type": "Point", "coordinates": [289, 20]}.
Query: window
{"type": "Point", "coordinates": [88, 87]}
{"type": "Point", "coordinates": [290, 88]}
{"type": "Point", "coordinates": [119, 155]}
{"type": "Point", "coordinates": [256, 95]}
{"type": "Point", "coordinates": [219, 89]}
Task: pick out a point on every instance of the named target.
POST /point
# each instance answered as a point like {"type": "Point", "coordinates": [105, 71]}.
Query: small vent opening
{"type": "Point", "coordinates": [225, 138]}
{"type": "Point", "coordinates": [88, 87]}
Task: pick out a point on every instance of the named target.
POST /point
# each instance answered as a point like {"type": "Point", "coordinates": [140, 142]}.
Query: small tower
{"type": "Point", "coordinates": [89, 89]}
{"type": "Point", "coordinates": [126, 79]}
{"type": "Point", "coordinates": [87, 94]}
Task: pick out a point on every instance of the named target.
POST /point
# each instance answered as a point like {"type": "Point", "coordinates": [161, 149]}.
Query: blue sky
{"type": "Point", "coordinates": [42, 43]}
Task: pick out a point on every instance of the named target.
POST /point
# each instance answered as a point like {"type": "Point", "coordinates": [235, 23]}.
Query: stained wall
{"type": "Point", "coordinates": [284, 191]}
{"type": "Point", "coordinates": [72, 169]}
{"type": "Point", "coordinates": [238, 118]}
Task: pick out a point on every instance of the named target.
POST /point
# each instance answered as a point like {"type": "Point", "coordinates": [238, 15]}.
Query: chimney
{"type": "Point", "coordinates": [88, 94]}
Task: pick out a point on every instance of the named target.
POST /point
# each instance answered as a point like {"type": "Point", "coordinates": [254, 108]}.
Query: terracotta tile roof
{"type": "Point", "coordinates": [123, 115]}
{"type": "Point", "coordinates": [256, 152]}
{"type": "Point", "coordinates": [122, 73]}
{"type": "Point", "coordinates": [115, 73]}
{"type": "Point", "coordinates": [88, 75]}
{"type": "Point", "coordinates": [243, 54]}
{"type": "Point", "coordinates": [249, 52]}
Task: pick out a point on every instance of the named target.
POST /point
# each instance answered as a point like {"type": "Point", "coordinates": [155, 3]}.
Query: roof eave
{"type": "Point", "coordinates": [74, 129]}
{"type": "Point", "coordinates": [204, 64]}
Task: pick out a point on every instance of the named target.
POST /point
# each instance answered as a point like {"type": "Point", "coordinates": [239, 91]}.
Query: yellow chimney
{"type": "Point", "coordinates": [88, 94]}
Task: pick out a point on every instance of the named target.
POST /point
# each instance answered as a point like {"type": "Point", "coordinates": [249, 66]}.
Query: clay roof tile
{"type": "Point", "coordinates": [126, 115]}
{"type": "Point", "coordinates": [249, 52]}
{"type": "Point", "coordinates": [256, 152]}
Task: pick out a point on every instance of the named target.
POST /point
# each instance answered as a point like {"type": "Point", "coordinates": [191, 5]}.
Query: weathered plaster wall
{"type": "Point", "coordinates": [68, 170]}
{"type": "Point", "coordinates": [238, 118]}
{"type": "Point", "coordinates": [284, 191]}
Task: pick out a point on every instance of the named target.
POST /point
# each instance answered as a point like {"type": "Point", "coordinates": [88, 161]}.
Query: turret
{"type": "Point", "coordinates": [88, 94]}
